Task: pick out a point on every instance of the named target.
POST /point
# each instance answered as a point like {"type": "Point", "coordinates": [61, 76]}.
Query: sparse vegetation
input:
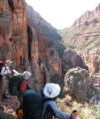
{"type": "Point", "coordinates": [85, 111]}
{"type": "Point", "coordinates": [91, 44]}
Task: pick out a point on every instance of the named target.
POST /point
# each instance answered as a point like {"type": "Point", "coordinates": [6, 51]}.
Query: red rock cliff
{"type": "Point", "coordinates": [13, 37]}
{"type": "Point", "coordinates": [26, 41]}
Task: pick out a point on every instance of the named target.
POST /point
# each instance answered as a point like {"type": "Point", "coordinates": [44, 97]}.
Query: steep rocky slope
{"type": "Point", "coordinates": [45, 50]}
{"type": "Point", "coordinates": [48, 30]}
{"type": "Point", "coordinates": [84, 37]}
{"type": "Point", "coordinates": [84, 33]}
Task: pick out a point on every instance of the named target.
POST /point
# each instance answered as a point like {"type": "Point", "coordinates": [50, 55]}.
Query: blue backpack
{"type": "Point", "coordinates": [33, 105]}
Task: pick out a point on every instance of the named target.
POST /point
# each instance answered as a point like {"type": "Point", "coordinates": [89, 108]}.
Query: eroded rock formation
{"type": "Point", "coordinates": [80, 85]}
{"type": "Point", "coordinates": [92, 59]}
{"type": "Point", "coordinates": [72, 59]}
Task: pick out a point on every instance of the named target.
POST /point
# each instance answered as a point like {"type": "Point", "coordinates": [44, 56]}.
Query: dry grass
{"type": "Point", "coordinates": [84, 110]}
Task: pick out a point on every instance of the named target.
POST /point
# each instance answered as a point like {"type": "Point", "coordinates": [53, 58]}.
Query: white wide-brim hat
{"type": "Point", "coordinates": [26, 75]}
{"type": "Point", "coordinates": [51, 90]}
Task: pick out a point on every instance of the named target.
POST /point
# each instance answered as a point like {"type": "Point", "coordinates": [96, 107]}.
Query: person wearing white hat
{"type": "Point", "coordinates": [24, 85]}
{"type": "Point", "coordinates": [26, 75]}
{"type": "Point", "coordinates": [51, 91]}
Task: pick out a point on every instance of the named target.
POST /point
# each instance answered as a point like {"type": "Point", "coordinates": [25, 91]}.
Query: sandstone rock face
{"type": "Point", "coordinates": [47, 29]}
{"type": "Point", "coordinates": [72, 59]}
{"type": "Point", "coordinates": [89, 18]}
{"type": "Point", "coordinates": [92, 59]}
{"type": "Point", "coordinates": [43, 49]}
{"type": "Point", "coordinates": [13, 31]}
{"type": "Point", "coordinates": [86, 28]}
{"type": "Point", "coordinates": [80, 85]}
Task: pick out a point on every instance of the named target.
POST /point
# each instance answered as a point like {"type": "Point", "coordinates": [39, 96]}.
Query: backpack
{"type": "Point", "coordinates": [23, 86]}
{"type": "Point", "coordinates": [19, 112]}
{"type": "Point", "coordinates": [14, 83]}
{"type": "Point", "coordinates": [32, 105]}
{"type": "Point", "coordinates": [2, 63]}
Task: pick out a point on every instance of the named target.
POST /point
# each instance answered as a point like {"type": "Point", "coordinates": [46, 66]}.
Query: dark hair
{"type": "Point", "coordinates": [74, 111]}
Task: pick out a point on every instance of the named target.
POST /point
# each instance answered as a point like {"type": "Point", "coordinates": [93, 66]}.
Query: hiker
{"type": "Point", "coordinates": [74, 115]}
{"type": "Point", "coordinates": [37, 107]}
{"type": "Point", "coordinates": [51, 92]}
{"type": "Point", "coordinates": [24, 85]}
{"type": "Point", "coordinates": [32, 105]}
{"type": "Point", "coordinates": [5, 71]}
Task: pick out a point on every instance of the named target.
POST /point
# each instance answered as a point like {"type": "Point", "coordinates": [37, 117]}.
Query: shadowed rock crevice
{"type": "Point", "coordinates": [30, 37]}
{"type": "Point", "coordinates": [11, 4]}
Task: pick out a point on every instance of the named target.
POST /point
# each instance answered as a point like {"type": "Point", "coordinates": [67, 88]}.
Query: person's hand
{"type": "Point", "coordinates": [16, 73]}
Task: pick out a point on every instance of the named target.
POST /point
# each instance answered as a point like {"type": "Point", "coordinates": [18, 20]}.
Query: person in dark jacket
{"type": "Point", "coordinates": [32, 105]}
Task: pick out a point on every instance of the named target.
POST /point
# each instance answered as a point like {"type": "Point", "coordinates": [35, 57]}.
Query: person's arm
{"type": "Point", "coordinates": [56, 112]}
{"type": "Point", "coordinates": [16, 73]}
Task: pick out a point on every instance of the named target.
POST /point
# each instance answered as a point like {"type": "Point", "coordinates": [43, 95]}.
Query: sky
{"type": "Point", "coordinates": [62, 13]}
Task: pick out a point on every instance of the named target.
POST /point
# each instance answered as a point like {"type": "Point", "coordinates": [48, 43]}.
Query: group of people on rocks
{"type": "Point", "coordinates": [50, 92]}
{"type": "Point", "coordinates": [5, 72]}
